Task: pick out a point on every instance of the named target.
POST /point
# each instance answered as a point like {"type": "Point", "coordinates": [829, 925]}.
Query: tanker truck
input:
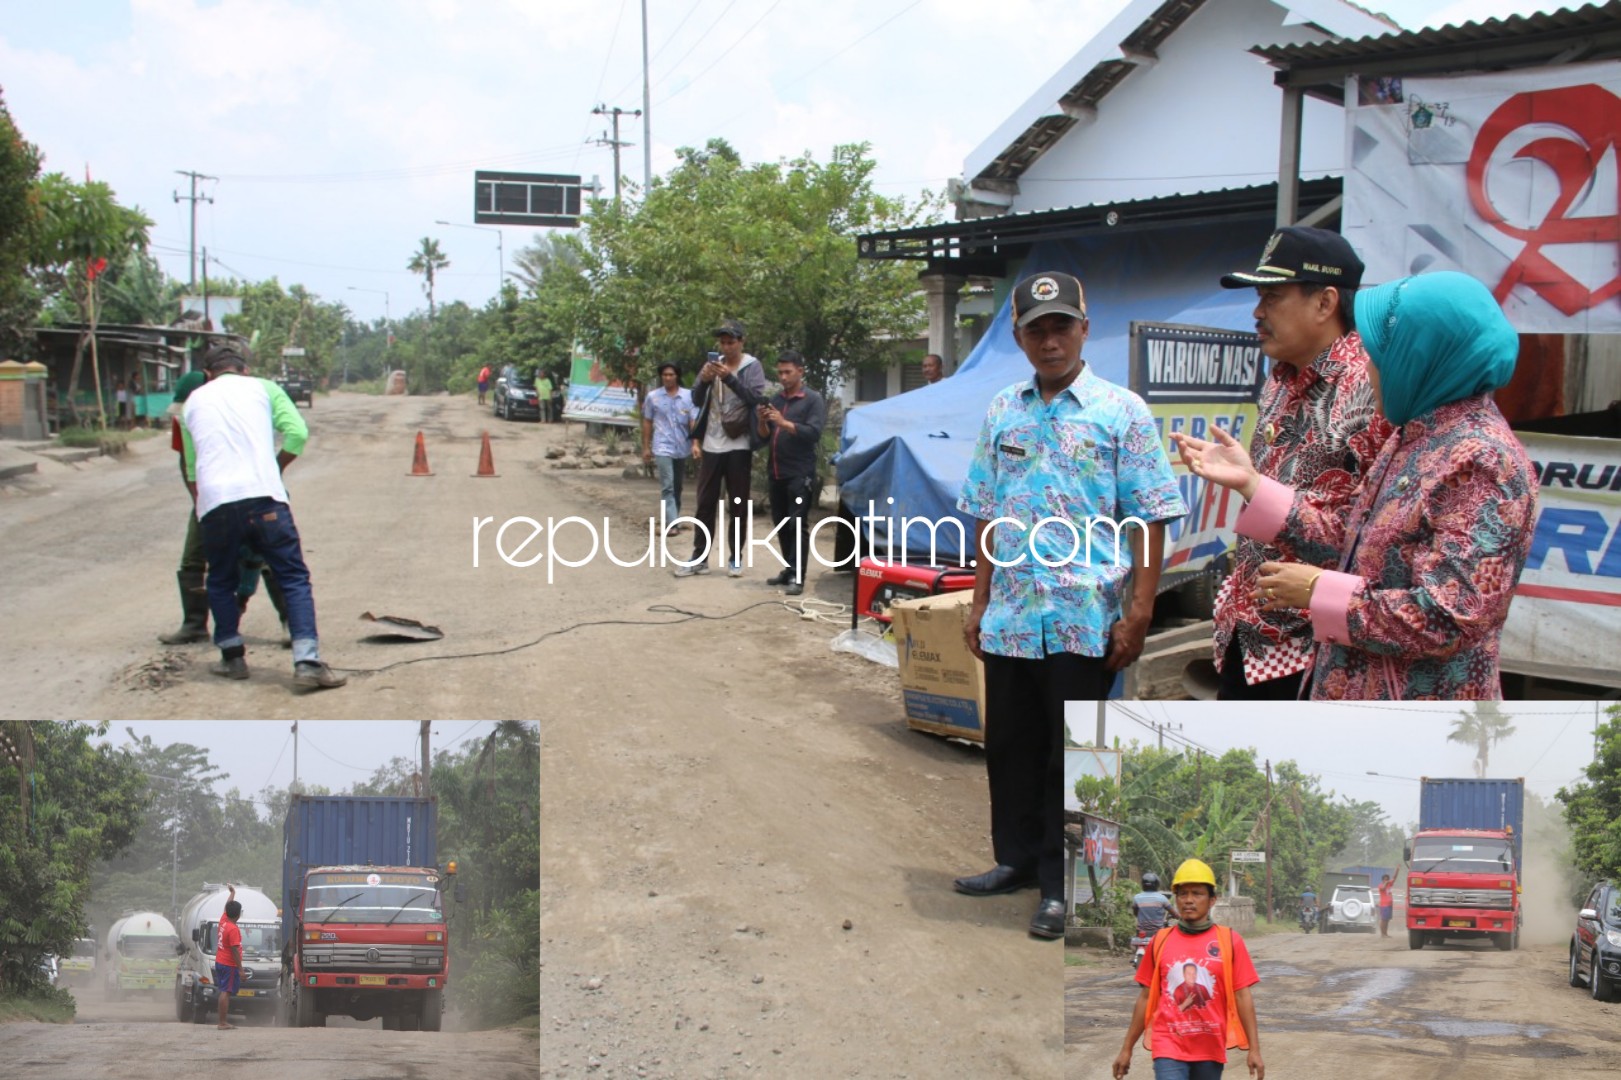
{"type": "Point", "coordinates": [140, 953]}
{"type": "Point", "coordinates": [195, 994]}
{"type": "Point", "coordinates": [364, 933]}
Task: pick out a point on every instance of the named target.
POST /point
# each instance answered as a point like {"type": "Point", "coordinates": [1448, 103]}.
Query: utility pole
{"type": "Point", "coordinates": [647, 115]}
{"type": "Point", "coordinates": [1269, 908]}
{"type": "Point", "coordinates": [294, 789]}
{"type": "Point", "coordinates": [194, 199]}
{"type": "Point", "coordinates": [426, 724]}
{"type": "Point", "coordinates": [615, 113]}
{"type": "Point", "coordinates": [1101, 743]}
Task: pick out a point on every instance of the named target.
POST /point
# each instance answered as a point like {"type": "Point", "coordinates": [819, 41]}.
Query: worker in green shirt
{"type": "Point", "coordinates": [543, 383]}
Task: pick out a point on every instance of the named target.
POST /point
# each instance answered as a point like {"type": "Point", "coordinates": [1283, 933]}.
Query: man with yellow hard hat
{"type": "Point", "coordinates": [1195, 1003]}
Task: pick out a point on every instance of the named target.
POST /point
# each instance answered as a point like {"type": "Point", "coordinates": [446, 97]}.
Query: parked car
{"type": "Point", "coordinates": [1351, 911]}
{"type": "Point", "coordinates": [48, 968]}
{"type": "Point", "coordinates": [1595, 947]}
{"type": "Point", "coordinates": [516, 395]}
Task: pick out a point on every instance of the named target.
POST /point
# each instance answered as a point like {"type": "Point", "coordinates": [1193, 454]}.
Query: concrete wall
{"type": "Point", "coordinates": [1237, 912]}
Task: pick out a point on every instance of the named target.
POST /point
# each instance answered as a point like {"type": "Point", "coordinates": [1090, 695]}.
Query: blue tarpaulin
{"type": "Point", "coordinates": [914, 448]}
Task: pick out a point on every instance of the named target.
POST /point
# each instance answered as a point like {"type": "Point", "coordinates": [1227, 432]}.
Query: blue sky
{"type": "Point", "coordinates": [341, 133]}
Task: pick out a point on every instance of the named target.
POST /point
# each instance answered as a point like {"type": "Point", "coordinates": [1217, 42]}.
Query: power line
{"type": "Point", "coordinates": [660, 50]}
{"type": "Point", "coordinates": [808, 72]}
{"type": "Point", "coordinates": [283, 750]}
{"type": "Point", "coordinates": [334, 760]}
{"type": "Point", "coordinates": [700, 40]}
{"type": "Point", "coordinates": [706, 70]}
{"type": "Point", "coordinates": [411, 172]}
{"type": "Point", "coordinates": [613, 39]}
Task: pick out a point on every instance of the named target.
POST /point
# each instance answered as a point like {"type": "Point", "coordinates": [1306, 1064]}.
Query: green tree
{"type": "Point", "coordinates": [135, 290]}
{"type": "Point", "coordinates": [84, 230]}
{"type": "Point", "coordinates": [20, 221]}
{"type": "Point", "coordinates": [64, 803]}
{"type": "Point", "coordinates": [1483, 727]}
{"type": "Point", "coordinates": [772, 244]}
{"type": "Point", "coordinates": [1593, 805]}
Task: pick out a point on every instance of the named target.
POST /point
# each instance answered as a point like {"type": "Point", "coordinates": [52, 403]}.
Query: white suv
{"type": "Point", "coordinates": [1352, 910]}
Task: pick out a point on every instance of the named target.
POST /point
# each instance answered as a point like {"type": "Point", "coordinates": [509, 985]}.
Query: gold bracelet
{"type": "Point", "coordinates": [1311, 583]}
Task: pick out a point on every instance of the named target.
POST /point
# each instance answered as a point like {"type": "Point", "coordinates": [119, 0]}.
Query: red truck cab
{"type": "Point", "coordinates": [1463, 883]}
{"type": "Point", "coordinates": [370, 941]}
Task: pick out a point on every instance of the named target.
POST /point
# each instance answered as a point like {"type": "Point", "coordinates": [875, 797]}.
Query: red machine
{"type": "Point", "coordinates": [880, 584]}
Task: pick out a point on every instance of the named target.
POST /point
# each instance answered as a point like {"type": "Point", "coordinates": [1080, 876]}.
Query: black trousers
{"type": "Point", "coordinates": [1024, 756]}
{"type": "Point", "coordinates": [1234, 688]}
{"type": "Point", "coordinates": [732, 470]}
{"type": "Point", "coordinates": [791, 500]}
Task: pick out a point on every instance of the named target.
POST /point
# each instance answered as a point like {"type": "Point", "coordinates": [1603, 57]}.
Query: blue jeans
{"type": "Point", "coordinates": [670, 471]}
{"type": "Point", "coordinates": [1171, 1069]}
{"type": "Point", "coordinates": [266, 526]}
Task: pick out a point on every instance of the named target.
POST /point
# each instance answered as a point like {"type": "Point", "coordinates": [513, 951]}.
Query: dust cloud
{"type": "Point", "coordinates": [1546, 880]}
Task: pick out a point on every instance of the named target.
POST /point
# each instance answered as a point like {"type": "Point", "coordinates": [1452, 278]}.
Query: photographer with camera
{"type": "Point", "coordinates": [728, 393]}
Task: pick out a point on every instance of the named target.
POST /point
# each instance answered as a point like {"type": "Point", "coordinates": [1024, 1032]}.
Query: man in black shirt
{"type": "Point", "coordinates": [792, 423]}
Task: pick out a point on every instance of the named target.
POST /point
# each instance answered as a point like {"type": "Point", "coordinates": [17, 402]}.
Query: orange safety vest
{"type": "Point", "coordinates": [1224, 942]}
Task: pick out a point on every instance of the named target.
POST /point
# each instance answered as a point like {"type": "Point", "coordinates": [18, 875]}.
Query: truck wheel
{"type": "Point", "coordinates": [1415, 939]}
{"type": "Point", "coordinates": [1575, 977]}
{"type": "Point", "coordinates": [199, 1009]}
{"type": "Point", "coordinates": [433, 1010]}
{"type": "Point", "coordinates": [306, 1015]}
{"type": "Point", "coordinates": [179, 1004]}
{"type": "Point", "coordinates": [1504, 942]}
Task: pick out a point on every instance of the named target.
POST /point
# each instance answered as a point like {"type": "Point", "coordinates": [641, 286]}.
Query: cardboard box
{"type": "Point", "coordinates": [942, 683]}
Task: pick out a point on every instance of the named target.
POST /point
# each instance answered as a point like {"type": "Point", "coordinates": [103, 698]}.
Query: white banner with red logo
{"type": "Point", "coordinates": [1510, 177]}
{"type": "Point", "coordinates": [1562, 623]}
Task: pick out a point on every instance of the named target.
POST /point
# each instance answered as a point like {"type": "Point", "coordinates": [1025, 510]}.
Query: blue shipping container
{"type": "Point", "coordinates": [1473, 804]}
{"type": "Point", "coordinates": [352, 830]}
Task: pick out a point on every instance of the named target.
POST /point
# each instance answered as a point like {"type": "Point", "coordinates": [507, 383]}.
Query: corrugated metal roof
{"type": "Point", "coordinates": [974, 239]}
{"type": "Point", "coordinates": [1555, 29]}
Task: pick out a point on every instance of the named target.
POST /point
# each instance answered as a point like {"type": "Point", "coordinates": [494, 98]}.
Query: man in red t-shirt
{"type": "Point", "coordinates": [228, 957]}
{"type": "Point", "coordinates": [1188, 980]}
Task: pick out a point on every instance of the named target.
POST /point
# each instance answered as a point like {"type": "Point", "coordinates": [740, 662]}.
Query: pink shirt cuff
{"type": "Point", "coordinates": [1331, 604]}
{"type": "Point", "coordinates": [1263, 516]}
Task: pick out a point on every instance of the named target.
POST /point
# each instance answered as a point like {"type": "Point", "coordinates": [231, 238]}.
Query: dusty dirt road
{"type": "Point", "coordinates": [140, 1039]}
{"type": "Point", "coordinates": [719, 795]}
{"type": "Point", "coordinates": [1354, 1005]}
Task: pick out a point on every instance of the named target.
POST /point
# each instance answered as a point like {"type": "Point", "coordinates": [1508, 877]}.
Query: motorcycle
{"type": "Point", "coordinates": [1140, 944]}
{"type": "Point", "coordinates": [1308, 919]}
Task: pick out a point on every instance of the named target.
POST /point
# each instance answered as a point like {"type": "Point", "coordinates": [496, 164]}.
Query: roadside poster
{"type": "Point", "coordinates": [1509, 176]}
{"type": "Point", "coordinates": [593, 398]}
{"type": "Point", "coordinates": [1562, 622]}
{"type": "Point", "coordinates": [1195, 378]}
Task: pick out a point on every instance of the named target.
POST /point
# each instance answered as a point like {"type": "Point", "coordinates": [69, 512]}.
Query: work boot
{"type": "Point", "coordinates": [314, 675]}
{"type": "Point", "coordinates": [232, 663]}
{"type": "Point", "coordinates": [193, 610]}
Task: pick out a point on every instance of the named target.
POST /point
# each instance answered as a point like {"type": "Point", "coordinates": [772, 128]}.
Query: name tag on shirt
{"type": "Point", "coordinates": [1011, 451]}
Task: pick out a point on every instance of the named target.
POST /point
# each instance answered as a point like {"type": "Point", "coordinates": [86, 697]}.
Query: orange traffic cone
{"type": "Point", "coordinates": [486, 463]}
{"type": "Point", "coordinates": [419, 463]}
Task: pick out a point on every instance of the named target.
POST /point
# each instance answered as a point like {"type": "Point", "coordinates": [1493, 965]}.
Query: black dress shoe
{"type": "Point", "coordinates": [1001, 879]}
{"type": "Point", "coordinates": [1048, 921]}
{"type": "Point", "coordinates": [780, 579]}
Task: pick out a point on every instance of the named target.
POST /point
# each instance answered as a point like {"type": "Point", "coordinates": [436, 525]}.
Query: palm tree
{"type": "Point", "coordinates": [1482, 729]}
{"type": "Point", "coordinates": [428, 261]}
{"type": "Point", "coordinates": [547, 252]}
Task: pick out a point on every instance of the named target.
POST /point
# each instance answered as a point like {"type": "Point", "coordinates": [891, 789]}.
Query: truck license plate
{"type": "Point", "coordinates": [373, 980]}
{"type": "Point", "coordinates": [1464, 923]}
{"type": "Point", "coordinates": [244, 993]}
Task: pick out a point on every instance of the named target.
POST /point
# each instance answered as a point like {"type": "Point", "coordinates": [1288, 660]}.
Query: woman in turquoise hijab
{"type": "Point", "coordinates": [1431, 545]}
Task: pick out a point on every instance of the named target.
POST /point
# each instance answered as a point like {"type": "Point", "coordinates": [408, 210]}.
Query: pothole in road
{"type": "Point", "coordinates": [1480, 1029]}
{"type": "Point", "coordinates": [1371, 985]}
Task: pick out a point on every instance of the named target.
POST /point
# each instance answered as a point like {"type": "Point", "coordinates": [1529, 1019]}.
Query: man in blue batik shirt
{"type": "Point", "coordinates": [1071, 488]}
